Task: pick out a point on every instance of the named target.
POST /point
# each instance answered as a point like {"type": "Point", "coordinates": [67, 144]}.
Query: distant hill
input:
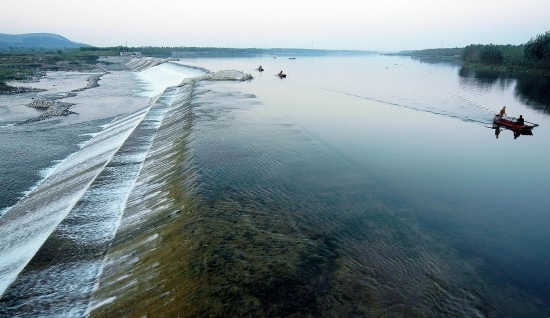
{"type": "Point", "coordinates": [41, 41]}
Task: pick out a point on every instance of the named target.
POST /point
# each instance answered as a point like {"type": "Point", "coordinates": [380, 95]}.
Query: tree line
{"type": "Point", "coordinates": [534, 54]}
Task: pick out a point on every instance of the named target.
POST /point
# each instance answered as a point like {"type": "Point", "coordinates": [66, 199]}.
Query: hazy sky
{"type": "Point", "coordinates": [388, 25]}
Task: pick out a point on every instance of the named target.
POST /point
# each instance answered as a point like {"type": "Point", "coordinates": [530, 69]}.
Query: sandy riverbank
{"type": "Point", "coordinates": [54, 107]}
{"type": "Point", "coordinates": [49, 93]}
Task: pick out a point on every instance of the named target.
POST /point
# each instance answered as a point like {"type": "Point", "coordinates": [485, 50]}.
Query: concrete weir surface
{"type": "Point", "coordinates": [70, 219]}
{"type": "Point", "coordinates": [63, 244]}
{"type": "Point", "coordinates": [137, 270]}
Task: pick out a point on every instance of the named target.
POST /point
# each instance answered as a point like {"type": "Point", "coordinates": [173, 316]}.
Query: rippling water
{"type": "Point", "coordinates": [358, 186]}
{"type": "Point", "coordinates": [297, 228]}
{"type": "Point", "coordinates": [296, 201]}
{"type": "Point", "coordinates": [415, 137]}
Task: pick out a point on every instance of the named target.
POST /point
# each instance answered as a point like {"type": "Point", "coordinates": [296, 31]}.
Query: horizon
{"type": "Point", "coordinates": [346, 25]}
{"type": "Point", "coordinates": [210, 47]}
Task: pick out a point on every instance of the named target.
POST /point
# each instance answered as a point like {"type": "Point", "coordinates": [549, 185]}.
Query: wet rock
{"type": "Point", "coordinates": [92, 81]}
{"type": "Point", "coordinates": [57, 109]}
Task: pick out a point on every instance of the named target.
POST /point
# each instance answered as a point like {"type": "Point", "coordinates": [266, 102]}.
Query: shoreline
{"type": "Point", "coordinates": [510, 70]}
{"type": "Point", "coordinates": [6, 89]}
{"type": "Point", "coordinates": [53, 107]}
{"type": "Point", "coordinates": [32, 67]}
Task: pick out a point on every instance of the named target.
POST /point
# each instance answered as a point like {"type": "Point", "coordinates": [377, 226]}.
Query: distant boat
{"type": "Point", "coordinates": [291, 58]}
{"type": "Point", "coordinates": [511, 123]}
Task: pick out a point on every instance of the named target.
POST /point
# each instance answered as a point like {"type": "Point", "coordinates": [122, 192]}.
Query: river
{"type": "Point", "coordinates": [358, 185]}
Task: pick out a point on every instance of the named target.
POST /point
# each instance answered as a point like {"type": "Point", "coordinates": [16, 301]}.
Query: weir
{"type": "Point", "coordinates": [61, 275]}
{"type": "Point", "coordinates": [26, 226]}
{"type": "Point", "coordinates": [55, 239]}
{"type": "Point", "coordinates": [154, 210]}
{"type": "Point", "coordinates": [147, 269]}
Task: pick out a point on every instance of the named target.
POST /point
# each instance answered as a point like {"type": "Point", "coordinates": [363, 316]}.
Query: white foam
{"type": "Point", "coordinates": [100, 304]}
{"type": "Point", "coordinates": [25, 227]}
{"type": "Point", "coordinates": [152, 238]}
{"type": "Point", "coordinates": [156, 79]}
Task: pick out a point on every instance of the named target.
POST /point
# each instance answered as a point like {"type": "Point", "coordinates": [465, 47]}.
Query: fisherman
{"type": "Point", "coordinates": [520, 121]}
{"type": "Point", "coordinates": [260, 68]}
{"type": "Point", "coordinates": [502, 111]}
{"type": "Point", "coordinates": [281, 75]}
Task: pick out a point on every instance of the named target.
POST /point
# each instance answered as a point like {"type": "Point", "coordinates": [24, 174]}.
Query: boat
{"type": "Point", "coordinates": [511, 123]}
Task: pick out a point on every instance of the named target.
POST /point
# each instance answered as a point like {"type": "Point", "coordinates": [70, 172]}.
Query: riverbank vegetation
{"type": "Point", "coordinates": [441, 54]}
{"type": "Point", "coordinates": [31, 65]}
{"type": "Point", "coordinates": [531, 57]}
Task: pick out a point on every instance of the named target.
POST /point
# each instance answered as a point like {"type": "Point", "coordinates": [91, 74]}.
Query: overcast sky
{"type": "Point", "coordinates": [383, 25]}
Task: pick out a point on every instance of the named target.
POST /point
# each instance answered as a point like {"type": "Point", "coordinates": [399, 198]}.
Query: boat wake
{"type": "Point", "coordinates": [448, 104]}
{"type": "Point", "coordinates": [481, 117]}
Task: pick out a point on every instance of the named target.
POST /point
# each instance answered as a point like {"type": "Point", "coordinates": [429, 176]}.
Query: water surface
{"type": "Point", "coordinates": [364, 185]}
{"type": "Point", "coordinates": [422, 132]}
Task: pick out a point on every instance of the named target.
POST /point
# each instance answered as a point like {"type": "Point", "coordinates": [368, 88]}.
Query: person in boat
{"type": "Point", "coordinates": [281, 74]}
{"type": "Point", "coordinates": [520, 121]}
{"type": "Point", "coordinates": [260, 68]}
{"type": "Point", "coordinates": [502, 112]}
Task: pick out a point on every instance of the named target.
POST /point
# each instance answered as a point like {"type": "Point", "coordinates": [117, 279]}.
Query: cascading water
{"type": "Point", "coordinates": [54, 238]}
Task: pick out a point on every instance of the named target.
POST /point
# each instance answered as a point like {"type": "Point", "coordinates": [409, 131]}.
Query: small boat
{"type": "Point", "coordinates": [511, 123]}
{"type": "Point", "coordinates": [281, 75]}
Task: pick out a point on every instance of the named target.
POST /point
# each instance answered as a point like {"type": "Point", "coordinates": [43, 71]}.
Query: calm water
{"type": "Point", "coordinates": [354, 185]}
{"type": "Point", "coordinates": [420, 132]}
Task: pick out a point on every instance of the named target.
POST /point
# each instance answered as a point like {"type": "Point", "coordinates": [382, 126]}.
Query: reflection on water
{"type": "Point", "coordinates": [516, 133]}
{"type": "Point", "coordinates": [533, 90]}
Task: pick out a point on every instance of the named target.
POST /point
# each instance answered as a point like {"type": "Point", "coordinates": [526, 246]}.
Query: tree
{"type": "Point", "coordinates": [538, 49]}
{"type": "Point", "coordinates": [491, 54]}
{"type": "Point", "coordinates": [471, 53]}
